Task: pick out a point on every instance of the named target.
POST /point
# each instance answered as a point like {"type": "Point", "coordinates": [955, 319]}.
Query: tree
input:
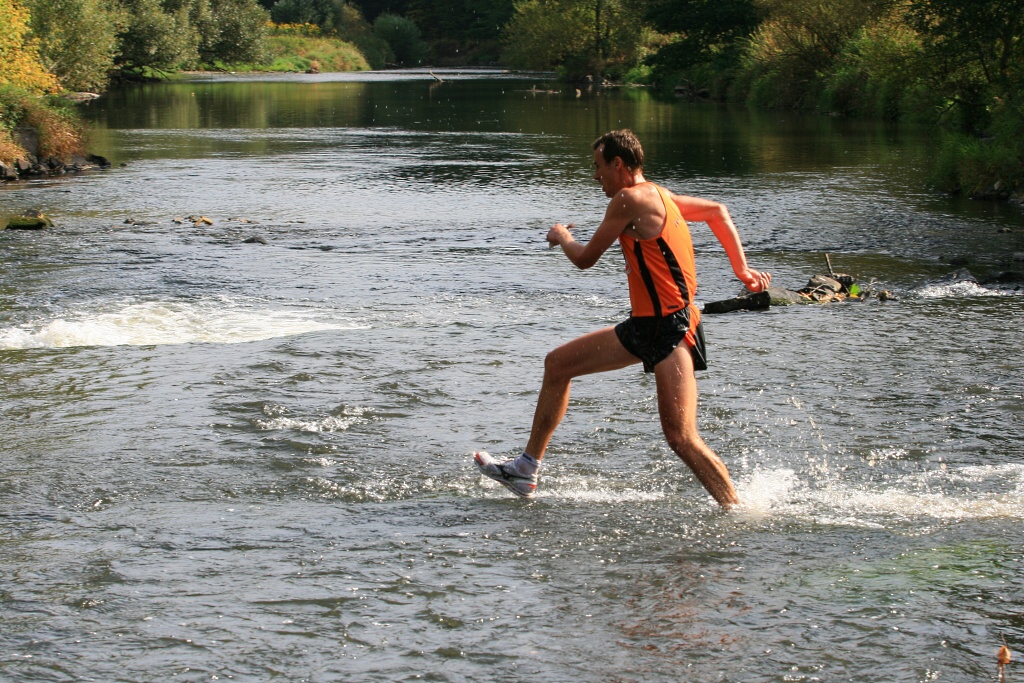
{"type": "Point", "coordinates": [704, 31]}
{"type": "Point", "coordinates": [976, 50]}
{"type": "Point", "coordinates": [790, 54]}
{"type": "Point", "coordinates": [77, 40]}
{"type": "Point", "coordinates": [582, 37]}
{"type": "Point", "coordinates": [403, 36]}
{"type": "Point", "coordinates": [234, 33]}
{"type": "Point", "coordinates": [20, 65]}
{"type": "Point", "coordinates": [154, 38]}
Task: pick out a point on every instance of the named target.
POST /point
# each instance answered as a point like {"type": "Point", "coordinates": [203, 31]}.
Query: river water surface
{"type": "Point", "coordinates": [232, 460]}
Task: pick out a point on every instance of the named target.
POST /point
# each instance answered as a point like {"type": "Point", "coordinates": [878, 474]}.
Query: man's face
{"type": "Point", "coordinates": [607, 172]}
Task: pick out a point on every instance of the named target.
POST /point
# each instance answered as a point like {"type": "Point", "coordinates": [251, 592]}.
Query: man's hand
{"type": "Point", "coordinates": [754, 280]}
{"type": "Point", "coordinates": [559, 234]}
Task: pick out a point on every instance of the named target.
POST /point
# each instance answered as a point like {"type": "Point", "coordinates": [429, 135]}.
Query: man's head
{"type": "Point", "coordinates": [618, 161]}
{"type": "Point", "coordinates": [623, 144]}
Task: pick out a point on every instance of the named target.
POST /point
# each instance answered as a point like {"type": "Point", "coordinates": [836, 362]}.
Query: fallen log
{"type": "Point", "coordinates": [753, 301]}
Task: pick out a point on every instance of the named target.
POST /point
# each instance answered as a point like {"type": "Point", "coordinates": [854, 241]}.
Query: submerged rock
{"type": "Point", "coordinates": [961, 275]}
{"type": "Point", "coordinates": [30, 220]}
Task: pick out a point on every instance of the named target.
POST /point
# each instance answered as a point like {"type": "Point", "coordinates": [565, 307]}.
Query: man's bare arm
{"type": "Point", "coordinates": [616, 218]}
{"type": "Point", "coordinates": [718, 219]}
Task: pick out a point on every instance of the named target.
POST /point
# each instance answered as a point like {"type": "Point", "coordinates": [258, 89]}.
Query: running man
{"type": "Point", "coordinates": [663, 331]}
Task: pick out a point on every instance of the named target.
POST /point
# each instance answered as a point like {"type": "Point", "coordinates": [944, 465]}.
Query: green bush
{"type": "Point", "coordinates": [579, 38]}
{"type": "Point", "coordinates": [991, 166]}
{"type": "Point", "coordinates": [236, 32]}
{"type": "Point", "coordinates": [77, 40]}
{"type": "Point", "coordinates": [152, 38]}
{"type": "Point", "coordinates": [403, 37]}
{"type": "Point", "coordinates": [879, 73]}
{"type": "Point", "coordinates": [297, 53]}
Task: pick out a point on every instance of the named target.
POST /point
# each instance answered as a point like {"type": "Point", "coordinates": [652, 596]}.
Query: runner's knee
{"type": "Point", "coordinates": [686, 442]}
{"type": "Point", "coordinates": [556, 366]}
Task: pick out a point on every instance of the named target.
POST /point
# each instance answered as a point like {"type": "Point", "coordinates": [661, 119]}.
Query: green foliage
{"type": "Point", "coordinates": [19, 52]}
{"type": "Point", "coordinates": [235, 32]}
{"type": "Point", "coordinates": [296, 53]}
{"type": "Point", "coordinates": [339, 19]}
{"type": "Point", "coordinates": [790, 53]}
{"type": "Point", "coordinates": [580, 37]}
{"type": "Point", "coordinates": [879, 73]}
{"type": "Point", "coordinates": [459, 31]}
{"type": "Point", "coordinates": [77, 40]}
{"type": "Point", "coordinates": [706, 37]}
{"type": "Point", "coordinates": [177, 34]}
{"type": "Point", "coordinates": [403, 37]}
{"type": "Point", "coordinates": [976, 51]}
{"type": "Point", "coordinates": [985, 167]}
{"type": "Point", "coordinates": [154, 38]}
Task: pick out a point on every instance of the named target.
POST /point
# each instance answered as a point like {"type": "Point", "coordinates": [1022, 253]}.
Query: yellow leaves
{"type": "Point", "coordinates": [19, 52]}
{"type": "Point", "coordinates": [1003, 658]}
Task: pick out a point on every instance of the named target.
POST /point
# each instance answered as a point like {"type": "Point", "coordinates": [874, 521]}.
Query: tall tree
{"type": "Point", "coordinates": [77, 40]}
{"type": "Point", "coordinates": [582, 37]}
{"type": "Point", "coordinates": [19, 52]}
{"type": "Point", "coordinates": [704, 31]}
{"type": "Point", "coordinates": [976, 50]}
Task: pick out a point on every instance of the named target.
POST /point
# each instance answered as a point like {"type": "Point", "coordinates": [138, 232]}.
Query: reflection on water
{"type": "Point", "coordinates": [249, 459]}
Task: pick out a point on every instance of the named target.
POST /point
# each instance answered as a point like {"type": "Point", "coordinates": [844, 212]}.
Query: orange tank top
{"type": "Point", "coordinates": [661, 271]}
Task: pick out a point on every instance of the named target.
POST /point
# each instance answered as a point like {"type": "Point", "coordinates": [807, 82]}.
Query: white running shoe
{"type": "Point", "coordinates": [506, 474]}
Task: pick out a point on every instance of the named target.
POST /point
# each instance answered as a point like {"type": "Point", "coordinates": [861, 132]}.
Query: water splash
{"type": "Point", "coordinates": [277, 420]}
{"type": "Point", "coordinates": [963, 289]}
{"type": "Point", "coordinates": [944, 494]}
{"type": "Point", "coordinates": [211, 320]}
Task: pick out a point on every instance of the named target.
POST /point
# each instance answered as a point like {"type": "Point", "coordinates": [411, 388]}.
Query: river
{"type": "Point", "coordinates": [242, 450]}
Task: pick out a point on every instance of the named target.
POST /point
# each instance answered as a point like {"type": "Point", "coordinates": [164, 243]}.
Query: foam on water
{"type": "Point", "coordinates": [211, 320]}
{"type": "Point", "coordinates": [945, 494]}
{"type": "Point", "coordinates": [962, 288]}
{"type": "Point", "coordinates": [276, 420]}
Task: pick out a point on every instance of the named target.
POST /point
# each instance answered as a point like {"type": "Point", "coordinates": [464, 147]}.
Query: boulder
{"type": "Point", "coordinates": [784, 297]}
{"type": "Point", "coordinates": [102, 162]}
{"type": "Point", "coordinates": [26, 137]}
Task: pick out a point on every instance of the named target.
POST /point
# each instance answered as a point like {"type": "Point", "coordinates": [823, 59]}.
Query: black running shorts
{"type": "Point", "coordinates": [652, 339]}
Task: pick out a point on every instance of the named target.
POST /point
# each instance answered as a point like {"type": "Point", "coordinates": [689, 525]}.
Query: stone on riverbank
{"type": "Point", "coordinates": [33, 167]}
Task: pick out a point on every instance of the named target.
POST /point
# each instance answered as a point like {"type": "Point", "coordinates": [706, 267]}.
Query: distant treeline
{"type": "Point", "coordinates": [955, 63]}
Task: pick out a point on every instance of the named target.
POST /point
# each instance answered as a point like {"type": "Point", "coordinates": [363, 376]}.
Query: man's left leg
{"type": "Point", "coordinates": [677, 406]}
{"type": "Point", "coordinates": [598, 351]}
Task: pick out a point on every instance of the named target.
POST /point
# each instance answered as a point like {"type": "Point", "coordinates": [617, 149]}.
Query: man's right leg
{"type": "Point", "coordinates": [598, 351]}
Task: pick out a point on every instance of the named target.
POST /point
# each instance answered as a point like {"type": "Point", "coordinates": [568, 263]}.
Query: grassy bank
{"type": "Point", "coordinates": [298, 48]}
{"type": "Point", "coordinates": [38, 126]}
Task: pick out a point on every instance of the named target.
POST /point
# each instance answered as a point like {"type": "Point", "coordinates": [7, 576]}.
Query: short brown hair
{"type": "Point", "coordinates": [623, 144]}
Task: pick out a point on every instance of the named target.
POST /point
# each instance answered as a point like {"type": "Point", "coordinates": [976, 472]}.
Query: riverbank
{"type": "Point", "coordinates": [39, 134]}
{"type": "Point", "coordinates": [303, 51]}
